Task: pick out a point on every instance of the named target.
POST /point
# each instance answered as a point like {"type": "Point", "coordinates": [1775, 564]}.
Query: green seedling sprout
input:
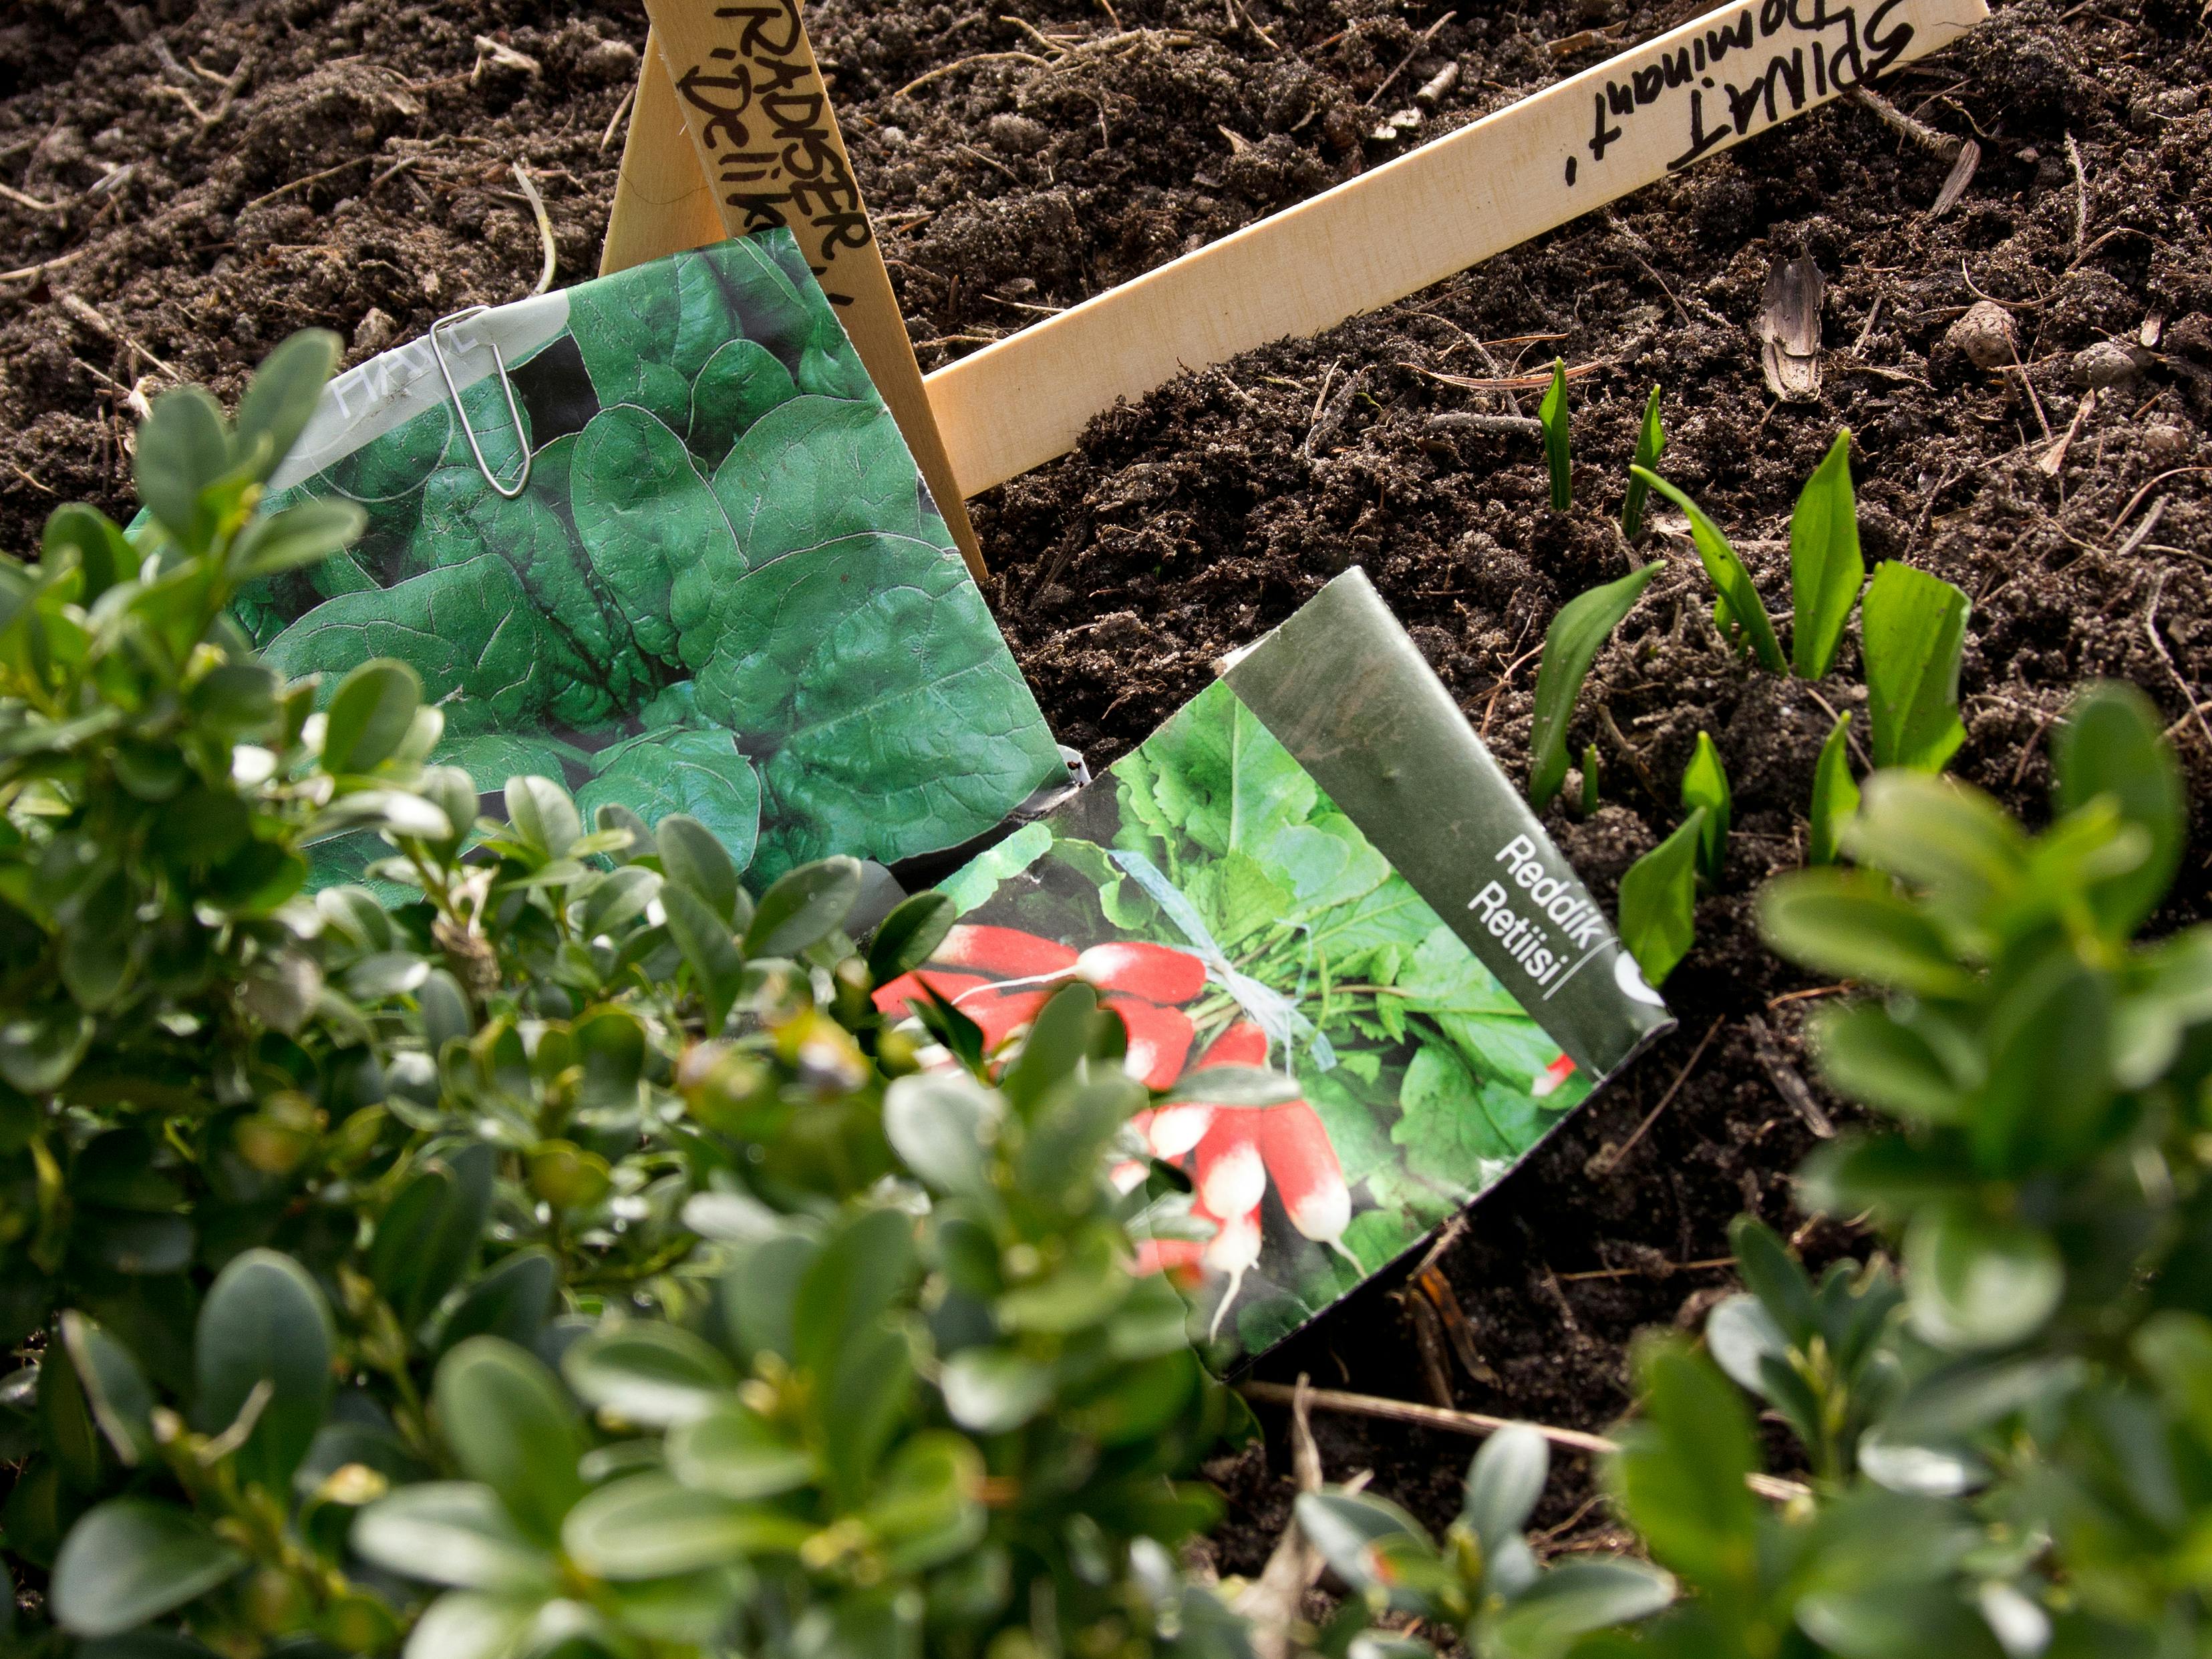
{"type": "Point", "coordinates": [1659, 901]}
{"type": "Point", "coordinates": [1826, 565]}
{"type": "Point", "coordinates": [1706, 785]}
{"type": "Point", "coordinates": [1650, 445]}
{"type": "Point", "coordinates": [1835, 793]}
{"type": "Point", "coordinates": [1913, 630]}
{"type": "Point", "coordinates": [1740, 607]}
{"type": "Point", "coordinates": [1589, 779]}
{"type": "Point", "coordinates": [1558, 454]}
{"type": "Point", "coordinates": [1571, 645]}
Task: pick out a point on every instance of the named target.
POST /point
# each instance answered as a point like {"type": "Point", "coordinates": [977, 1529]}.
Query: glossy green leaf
{"type": "Point", "coordinates": [692, 857]}
{"type": "Point", "coordinates": [1570, 645]}
{"type": "Point", "coordinates": [514, 1300]}
{"type": "Point", "coordinates": [907, 938]}
{"type": "Point", "coordinates": [2110, 744]}
{"type": "Point", "coordinates": [1705, 786]}
{"type": "Point", "coordinates": [1504, 1482]}
{"type": "Point", "coordinates": [183, 447]}
{"type": "Point", "coordinates": [1558, 461]}
{"type": "Point", "coordinates": [1913, 628]}
{"type": "Point", "coordinates": [1835, 794]}
{"type": "Point", "coordinates": [1680, 1471]}
{"type": "Point", "coordinates": [115, 1387]}
{"type": "Point", "coordinates": [992, 1390]}
{"type": "Point", "coordinates": [1855, 925]}
{"type": "Point", "coordinates": [803, 908]}
{"type": "Point", "coordinates": [651, 1375]}
{"type": "Point", "coordinates": [943, 1124]}
{"type": "Point", "coordinates": [430, 1231]}
{"type": "Point", "coordinates": [132, 1560]}
{"type": "Point", "coordinates": [1576, 1598]}
{"type": "Point", "coordinates": [1365, 1539]}
{"type": "Point", "coordinates": [282, 395]}
{"type": "Point", "coordinates": [264, 1322]}
{"type": "Point", "coordinates": [1659, 901]}
{"type": "Point", "coordinates": [649, 1527]}
{"type": "Point", "coordinates": [512, 1426]}
{"type": "Point", "coordinates": [76, 534]}
{"type": "Point", "coordinates": [716, 963]}
{"type": "Point", "coordinates": [1972, 1283]}
{"type": "Point", "coordinates": [451, 1531]}
{"type": "Point", "coordinates": [1825, 566]}
{"type": "Point", "coordinates": [1650, 445]}
{"type": "Point", "coordinates": [734, 1452]}
{"type": "Point", "coordinates": [1738, 596]}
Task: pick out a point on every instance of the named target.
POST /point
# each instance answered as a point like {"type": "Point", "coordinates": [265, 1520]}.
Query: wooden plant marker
{"type": "Point", "coordinates": [732, 133]}
{"type": "Point", "coordinates": [1453, 203]}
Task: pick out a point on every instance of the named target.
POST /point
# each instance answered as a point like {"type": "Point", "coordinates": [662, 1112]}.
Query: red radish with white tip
{"type": "Point", "coordinates": [1243, 1044]}
{"type": "Point", "coordinates": [1159, 1041]}
{"type": "Point", "coordinates": [1294, 1145]}
{"type": "Point", "coordinates": [1003, 952]}
{"type": "Point", "coordinates": [1548, 1080]}
{"type": "Point", "coordinates": [1000, 1015]}
{"type": "Point", "coordinates": [900, 995]}
{"type": "Point", "coordinates": [1231, 1176]}
{"type": "Point", "coordinates": [1174, 1130]}
{"type": "Point", "coordinates": [1181, 1259]}
{"type": "Point", "coordinates": [1155, 973]}
{"type": "Point", "coordinates": [1233, 1250]}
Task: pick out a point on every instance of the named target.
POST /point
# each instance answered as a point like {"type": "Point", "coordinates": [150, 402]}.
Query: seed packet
{"type": "Point", "coordinates": [1316, 867]}
{"type": "Point", "coordinates": [657, 536]}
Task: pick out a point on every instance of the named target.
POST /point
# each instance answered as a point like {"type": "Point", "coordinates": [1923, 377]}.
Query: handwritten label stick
{"type": "Point", "coordinates": [663, 203]}
{"type": "Point", "coordinates": [1513, 175]}
{"type": "Point", "coordinates": [762, 133]}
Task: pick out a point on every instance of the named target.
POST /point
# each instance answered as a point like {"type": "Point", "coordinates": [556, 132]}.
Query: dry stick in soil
{"type": "Point", "coordinates": [1783, 1076]}
{"type": "Point", "coordinates": [1426, 35]}
{"type": "Point", "coordinates": [545, 228]}
{"type": "Point", "coordinates": [2188, 693]}
{"type": "Point", "coordinates": [1271, 1602]}
{"type": "Point", "coordinates": [1479, 1424]}
{"type": "Point", "coordinates": [1603, 1164]}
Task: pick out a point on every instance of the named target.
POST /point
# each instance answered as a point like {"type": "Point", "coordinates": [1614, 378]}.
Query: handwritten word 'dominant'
{"type": "Point", "coordinates": [1780, 55]}
{"type": "Point", "coordinates": [774, 140]}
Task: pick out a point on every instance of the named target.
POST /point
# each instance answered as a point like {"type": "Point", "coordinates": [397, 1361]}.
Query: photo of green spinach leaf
{"type": "Point", "coordinates": [724, 590]}
{"type": "Point", "coordinates": [1429, 1078]}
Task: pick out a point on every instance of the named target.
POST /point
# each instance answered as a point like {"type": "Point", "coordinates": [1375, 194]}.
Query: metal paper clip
{"type": "Point", "coordinates": [514, 413]}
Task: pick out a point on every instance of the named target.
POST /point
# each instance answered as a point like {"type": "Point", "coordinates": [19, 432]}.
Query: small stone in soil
{"type": "Point", "coordinates": [1985, 334]}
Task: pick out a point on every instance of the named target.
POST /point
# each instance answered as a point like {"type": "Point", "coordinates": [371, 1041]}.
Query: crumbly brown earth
{"type": "Point", "coordinates": [194, 182]}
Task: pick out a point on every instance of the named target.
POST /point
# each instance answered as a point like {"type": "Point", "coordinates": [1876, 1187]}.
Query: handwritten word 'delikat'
{"type": "Point", "coordinates": [1777, 53]}
{"type": "Point", "coordinates": [769, 130]}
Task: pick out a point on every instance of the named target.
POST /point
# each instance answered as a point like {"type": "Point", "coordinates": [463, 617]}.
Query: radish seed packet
{"type": "Point", "coordinates": [1314, 866]}
{"type": "Point", "coordinates": [657, 536]}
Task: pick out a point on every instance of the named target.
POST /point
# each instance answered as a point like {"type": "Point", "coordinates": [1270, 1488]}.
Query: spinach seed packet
{"type": "Point", "coordinates": [671, 549]}
{"type": "Point", "coordinates": [1316, 867]}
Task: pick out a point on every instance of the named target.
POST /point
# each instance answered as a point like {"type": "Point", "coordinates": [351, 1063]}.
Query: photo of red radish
{"type": "Point", "coordinates": [1231, 1176]}
{"type": "Point", "coordinates": [1234, 1249]}
{"type": "Point", "coordinates": [896, 998]}
{"type": "Point", "coordinates": [1171, 1130]}
{"type": "Point", "coordinates": [1003, 952]}
{"type": "Point", "coordinates": [1304, 1169]}
{"type": "Point", "coordinates": [1548, 1080]}
{"type": "Point", "coordinates": [1156, 973]}
{"type": "Point", "coordinates": [1159, 1041]}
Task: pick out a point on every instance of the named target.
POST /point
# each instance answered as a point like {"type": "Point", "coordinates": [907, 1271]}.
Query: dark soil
{"type": "Point", "coordinates": [357, 177]}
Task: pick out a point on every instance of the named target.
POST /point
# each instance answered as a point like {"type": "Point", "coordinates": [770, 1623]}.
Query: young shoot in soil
{"type": "Point", "coordinates": [1913, 631]}
{"type": "Point", "coordinates": [1559, 458]}
{"type": "Point", "coordinates": [1738, 608]}
{"type": "Point", "coordinates": [1650, 445]}
{"type": "Point", "coordinates": [1704, 784]}
{"type": "Point", "coordinates": [1835, 793]}
{"type": "Point", "coordinates": [1571, 645]}
{"type": "Point", "coordinates": [1659, 901]}
{"type": "Point", "coordinates": [1825, 566]}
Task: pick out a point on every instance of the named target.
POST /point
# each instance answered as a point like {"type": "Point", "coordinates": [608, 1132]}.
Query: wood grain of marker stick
{"type": "Point", "coordinates": [663, 203]}
{"type": "Point", "coordinates": [745, 86]}
{"type": "Point", "coordinates": [1453, 203]}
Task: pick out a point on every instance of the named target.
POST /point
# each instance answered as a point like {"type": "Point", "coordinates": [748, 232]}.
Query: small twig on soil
{"type": "Point", "coordinates": [24, 273]}
{"type": "Point", "coordinates": [1457, 1326]}
{"type": "Point", "coordinates": [32, 479]}
{"type": "Point", "coordinates": [1505, 680]}
{"type": "Point", "coordinates": [2126, 512]}
{"type": "Point", "coordinates": [2080, 197]}
{"type": "Point", "coordinates": [545, 228]}
{"type": "Point", "coordinates": [490, 51]}
{"type": "Point", "coordinates": [1479, 1424]}
{"type": "Point", "coordinates": [1962, 175]}
{"type": "Point", "coordinates": [629, 97]}
{"type": "Point", "coordinates": [963, 62]}
{"type": "Point", "coordinates": [1783, 1076]}
{"type": "Point", "coordinates": [1425, 36]}
{"type": "Point", "coordinates": [1911, 125]}
{"type": "Point", "coordinates": [12, 194]}
{"type": "Point", "coordinates": [310, 178]}
{"type": "Point", "coordinates": [1508, 382]}
{"type": "Point", "coordinates": [2141, 533]}
{"type": "Point", "coordinates": [1661, 1268]}
{"type": "Point", "coordinates": [98, 322]}
{"type": "Point", "coordinates": [2188, 692]}
{"type": "Point", "coordinates": [1608, 1159]}
{"type": "Point", "coordinates": [1772, 1003]}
